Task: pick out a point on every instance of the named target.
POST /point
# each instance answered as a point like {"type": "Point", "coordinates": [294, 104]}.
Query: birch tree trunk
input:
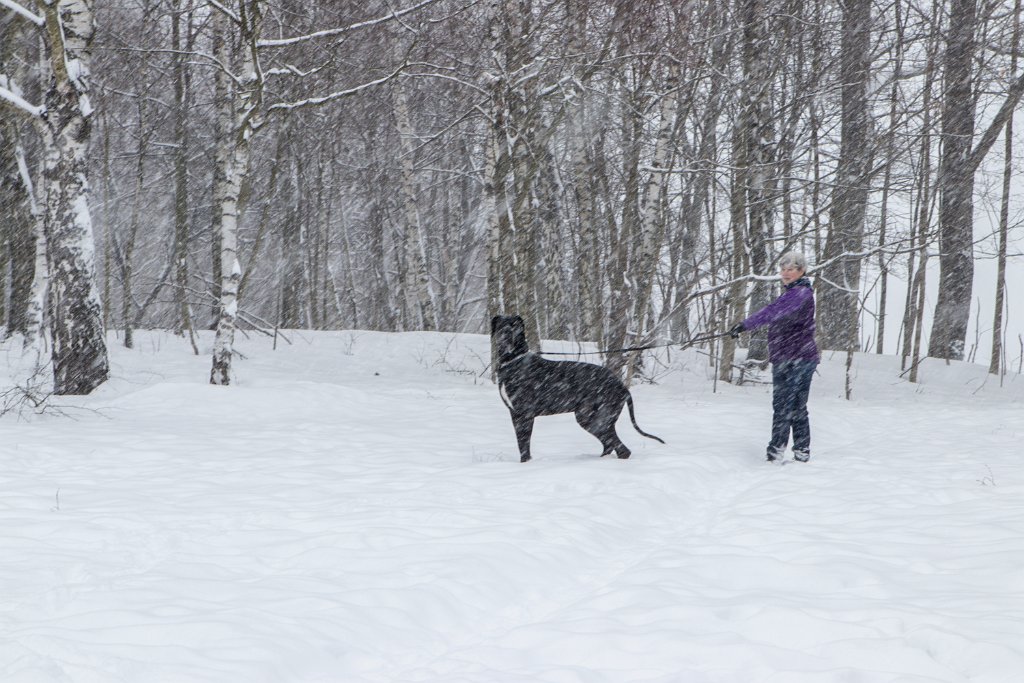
{"type": "Point", "coordinates": [80, 361]}
{"type": "Point", "coordinates": [124, 249]}
{"type": "Point", "coordinates": [35, 316]}
{"type": "Point", "coordinates": [21, 214]}
{"type": "Point", "coordinates": [227, 206]}
{"type": "Point", "coordinates": [418, 279]}
{"type": "Point", "coordinates": [495, 203]}
{"type": "Point", "coordinates": [588, 264]}
{"type": "Point", "coordinates": [629, 224]}
{"type": "Point", "coordinates": [737, 229]}
{"type": "Point", "coordinates": [381, 310]}
{"type": "Point", "coordinates": [525, 233]}
{"type": "Point", "coordinates": [699, 206]}
{"type": "Point", "coordinates": [223, 130]}
{"type": "Point", "coordinates": [18, 225]}
{"type": "Point", "coordinates": [182, 100]}
{"type": "Point", "coordinates": [293, 274]}
{"type": "Point", "coordinates": [554, 247]}
{"type": "Point", "coordinates": [512, 249]}
{"type": "Point", "coordinates": [237, 115]}
{"type": "Point", "coordinates": [490, 206]}
{"type": "Point", "coordinates": [755, 136]}
{"type": "Point", "coordinates": [652, 218]}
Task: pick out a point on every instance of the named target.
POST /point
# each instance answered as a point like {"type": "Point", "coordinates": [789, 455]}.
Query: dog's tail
{"type": "Point", "coordinates": [632, 418]}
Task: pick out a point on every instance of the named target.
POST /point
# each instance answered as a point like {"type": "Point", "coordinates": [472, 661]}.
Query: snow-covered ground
{"type": "Point", "coordinates": [353, 510]}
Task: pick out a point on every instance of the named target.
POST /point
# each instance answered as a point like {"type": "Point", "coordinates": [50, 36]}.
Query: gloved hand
{"type": "Point", "coordinates": [736, 329]}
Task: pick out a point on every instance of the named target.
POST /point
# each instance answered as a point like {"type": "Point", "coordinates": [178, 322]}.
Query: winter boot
{"type": "Point", "coordinates": [801, 456]}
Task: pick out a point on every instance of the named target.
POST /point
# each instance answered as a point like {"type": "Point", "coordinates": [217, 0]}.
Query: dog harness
{"type": "Point", "coordinates": [513, 359]}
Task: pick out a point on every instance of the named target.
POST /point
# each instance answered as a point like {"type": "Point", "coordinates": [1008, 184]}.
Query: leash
{"type": "Point", "coordinates": [683, 345]}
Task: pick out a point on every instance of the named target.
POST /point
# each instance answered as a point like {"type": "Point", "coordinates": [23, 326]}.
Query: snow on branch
{"type": "Point", "coordinates": [289, 70]}
{"type": "Point", "coordinates": [815, 271]}
{"type": "Point", "coordinates": [447, 77]}
{"type": "Point", "coordinates": [280, 42]}
{"type": "Point", "coordinates": [22, 12]}
{"type": "Point", "coordinates": [13, 99]}
{"type": "Point", "coordinates": [224, 10]}
{"type": "Point", "coordinates": [314, 101]}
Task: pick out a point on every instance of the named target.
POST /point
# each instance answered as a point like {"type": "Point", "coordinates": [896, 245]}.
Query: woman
{"type": "Point", "coordinates": [793, 353]}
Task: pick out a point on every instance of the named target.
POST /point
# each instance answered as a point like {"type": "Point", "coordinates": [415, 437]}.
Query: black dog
{"type": "Point", "coordinates": [532, 386]}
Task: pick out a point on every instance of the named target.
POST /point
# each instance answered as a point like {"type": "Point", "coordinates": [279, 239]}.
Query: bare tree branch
{"type": "Point", "coordinates": [22, 12]}
{"type": "Point", "coordinates": [15, 101]}
{"type": "Point", "coordinates": [281, 42]}
{"type": "Point", "coordinates": [995, 127]}
{"type": "Point", "coordinates": [225, 11]}
{"type": "Point", "coordinates": [323, 99]}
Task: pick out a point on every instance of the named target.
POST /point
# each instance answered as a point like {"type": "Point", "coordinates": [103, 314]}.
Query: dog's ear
{"type": "Point", "coordinates": [519, 331]}
{"type": "Point", "coordinates": [494, 324]}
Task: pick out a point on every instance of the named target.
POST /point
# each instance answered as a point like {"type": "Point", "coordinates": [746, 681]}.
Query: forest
{"type": "Point", "coordinates": [620, 172]}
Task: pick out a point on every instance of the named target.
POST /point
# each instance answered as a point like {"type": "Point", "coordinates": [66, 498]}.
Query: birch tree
{"type": "Point", "coordinates": [754, 133]}
{"type": "Point", "coordinates": [581, 139]}
{"type": "Point", "coordinates": [584, 143]}
{"type": "Point", "coordinates": [653, 219]}
{"type": "Point", "coordinates": [242, 111]}
{"type": "Point", "coordinates": [64, 122]}
{"type": "Point", "coordinates": [633, 86]}
{"type": "Point", "coordinates": [237, 114]}
{"type": "Point", "coordinates": [527, 100]}
{"type": "Point", "coordinates": [20, 233]}
{"type": "Point", "coordinates": [181, 45]}
{"type": "Point", "coordinates": [415, 247]}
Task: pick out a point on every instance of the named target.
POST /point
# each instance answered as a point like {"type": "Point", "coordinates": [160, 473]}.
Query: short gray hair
{"type": "Point", "coordinates": [793, 259]}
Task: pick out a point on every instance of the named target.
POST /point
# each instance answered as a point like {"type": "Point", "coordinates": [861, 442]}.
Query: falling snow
{"type": "Point", "coordinates": [354, 510]}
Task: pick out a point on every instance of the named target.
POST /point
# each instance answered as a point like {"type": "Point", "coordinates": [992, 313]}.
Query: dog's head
{"type": "Point", "coordinates": [508, 334]}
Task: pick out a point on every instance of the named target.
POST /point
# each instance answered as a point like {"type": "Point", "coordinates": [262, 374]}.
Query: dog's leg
{"type": "Point", "coordinates": [611, 416]}
{"type": "Point", "coordinates": [596, 421]}
{"type": "Point", "coordinates": [608, 415]}
{"type": "Point", "coordinates": [585, 419]}
{"type": "Point", "coordinates": [612, 442]}
{"type": "Point", "coordinates": [524, 430]}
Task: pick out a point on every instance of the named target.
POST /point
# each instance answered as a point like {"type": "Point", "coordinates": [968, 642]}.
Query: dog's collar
{"type": "Point", "coordinates": [513, 359]}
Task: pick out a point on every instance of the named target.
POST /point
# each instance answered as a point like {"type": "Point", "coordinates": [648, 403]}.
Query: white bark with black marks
{"type": "Point", "coordinates": [80, 362]}
{"type": "Point", "coordinates": [237, 117]}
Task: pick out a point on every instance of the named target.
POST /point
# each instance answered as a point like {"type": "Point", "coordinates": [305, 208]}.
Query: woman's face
{"type": "Point", "coordinates": [790, 274]}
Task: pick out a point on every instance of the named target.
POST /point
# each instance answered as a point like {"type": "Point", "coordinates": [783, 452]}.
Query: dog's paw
{"type": "Point", "coordinates": [525, 458]}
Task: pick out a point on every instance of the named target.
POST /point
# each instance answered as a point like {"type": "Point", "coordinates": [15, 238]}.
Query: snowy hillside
{"type": "Point", "coordinates": [353, 510]}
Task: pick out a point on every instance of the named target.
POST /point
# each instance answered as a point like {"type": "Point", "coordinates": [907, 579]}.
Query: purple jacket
{"type": "Point", "coordinates": [790, 321]}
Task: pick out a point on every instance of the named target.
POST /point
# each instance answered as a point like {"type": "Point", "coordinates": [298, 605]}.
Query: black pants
{"type": "Point", "coordinates": [791, 385]}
